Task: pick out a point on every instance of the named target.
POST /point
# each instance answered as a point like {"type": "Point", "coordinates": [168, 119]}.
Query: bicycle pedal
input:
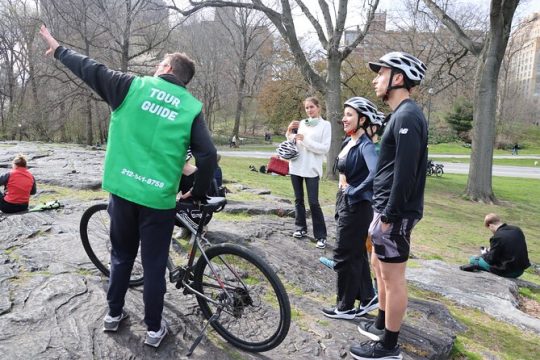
{"type": "Point", "coordinates": [176, 275]}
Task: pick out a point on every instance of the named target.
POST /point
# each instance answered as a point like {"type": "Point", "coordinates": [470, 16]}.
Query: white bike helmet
{"type": "Point", "coordinates": [380, 119]}
{"type": "Point", "coordinates": [287, 150]}
{"type": "Point", "coordinates": [414, 69]}
{"type": "Point", "coordinates": [363, 106]}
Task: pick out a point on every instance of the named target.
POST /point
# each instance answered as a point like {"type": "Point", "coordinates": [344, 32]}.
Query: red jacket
{"type": "Point", "coordinates": [19, 186]}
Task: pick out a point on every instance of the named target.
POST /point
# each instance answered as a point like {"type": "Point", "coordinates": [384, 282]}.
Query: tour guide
{"type": "Point", "coordinates": [153, 122]}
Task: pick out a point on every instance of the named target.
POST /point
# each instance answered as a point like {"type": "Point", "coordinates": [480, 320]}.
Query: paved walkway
{"type": "Point", "coordinates": [451, 168]}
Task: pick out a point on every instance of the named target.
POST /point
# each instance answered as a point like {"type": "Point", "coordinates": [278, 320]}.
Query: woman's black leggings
{"type": "Point", "coordinates": [350, 254]}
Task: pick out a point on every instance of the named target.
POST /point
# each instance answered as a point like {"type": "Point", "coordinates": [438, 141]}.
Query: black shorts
{"type": "Point", "coordinates": [394, 244]}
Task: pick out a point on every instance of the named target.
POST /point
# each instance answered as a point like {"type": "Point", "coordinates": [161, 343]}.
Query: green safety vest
{"type": "Point", "coordinates": [149, 135]}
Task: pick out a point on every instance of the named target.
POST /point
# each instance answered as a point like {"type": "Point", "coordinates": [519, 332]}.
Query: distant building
{"type": "Point", "coordinates": [523, 56]}
{"type": "Point", "coordinates": [525, 59]}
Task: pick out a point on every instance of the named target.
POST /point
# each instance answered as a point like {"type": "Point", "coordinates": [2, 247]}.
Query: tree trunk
{"type": "Point", "coordinates": [89, 127]}
{"type": "Point", "coordinates": [479, 185]}
{"type": "Point", "coordinates": [240, 98]}
{"type": "Point", "coordinates": [334, 111]}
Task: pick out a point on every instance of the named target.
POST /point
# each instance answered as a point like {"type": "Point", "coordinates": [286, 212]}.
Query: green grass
{"type": "Point", "coordinates": [485, 336]}
{"type": "Point", "coordinates": [533, 294]}
{"type": "Point", "coordinates": [452, 226]}
{"type": "Point", "coordinates": [52, 192]}
{"type": "Point", "coordinates": [237, 170]}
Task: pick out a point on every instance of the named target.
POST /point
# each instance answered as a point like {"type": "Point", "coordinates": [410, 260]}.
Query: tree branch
{"type": "Point", "coordinates": [315, 23]}
{"type": "Point", "coordinates": [360, 37]}
{"type": "Point", "coordinates": [474, 48]}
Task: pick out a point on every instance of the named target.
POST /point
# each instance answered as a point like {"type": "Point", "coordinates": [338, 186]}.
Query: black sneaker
{"type": "Point", "coordinates": [469, 267]}
{"type": "Point", "coordinates": [367, 328]}
{"type": "Point", "coordinates": [334, 313]}
{"type": "Point", "coordinates": [374, 350]}
{"type": "Point", "coordinates": [370, 306]}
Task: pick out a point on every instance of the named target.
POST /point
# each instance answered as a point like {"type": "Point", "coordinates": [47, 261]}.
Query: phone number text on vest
{"type": "Point", "coordinates": [131, 174]}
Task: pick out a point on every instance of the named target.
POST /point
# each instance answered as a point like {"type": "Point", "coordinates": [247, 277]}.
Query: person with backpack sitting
{"type": "Point", "coordinates": [18, 184]}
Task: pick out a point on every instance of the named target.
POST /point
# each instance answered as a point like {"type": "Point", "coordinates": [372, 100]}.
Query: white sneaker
{"type": "Point", "coordinates": [153, 338]}
{"type": "Point", "coordinates": [321, 243]}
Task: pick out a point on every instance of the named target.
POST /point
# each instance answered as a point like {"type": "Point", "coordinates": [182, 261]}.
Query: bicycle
{"type": "Point", "coordinates": [433, 168]}
{"type": "Point", "coordinates": [238, 293]}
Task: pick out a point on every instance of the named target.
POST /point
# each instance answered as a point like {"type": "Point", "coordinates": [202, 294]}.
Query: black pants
{"type": "Point", "coordinates": [312, 187]}
{"type": "Point", "coordinates": [132, 224]}
{"type": "Point", "coordinates": [350, 254]}
{"type": "Point", "coordinates": [10, 208]}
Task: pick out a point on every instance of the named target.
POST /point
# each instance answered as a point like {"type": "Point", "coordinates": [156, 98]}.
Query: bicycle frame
{"type": "Point", "coordinates": [196, 236]}
{"type": "Point", "coordinates": [178, 274]}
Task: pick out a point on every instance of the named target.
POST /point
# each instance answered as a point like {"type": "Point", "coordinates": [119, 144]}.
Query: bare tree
{"type": "Point", "coordinates": [247, 38]}
{"type": "Point", "coordinates": [490, 52]}
{"type": "Point", "coordinates": [202, 41]}
{"type": "Point", "coordinates": [329, 32]}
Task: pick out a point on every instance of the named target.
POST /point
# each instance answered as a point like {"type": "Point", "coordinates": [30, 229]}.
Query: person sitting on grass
{"type": "Point", "coordinates": [18, 184]}
{"type": "Point", "coordinates": [507, 255]}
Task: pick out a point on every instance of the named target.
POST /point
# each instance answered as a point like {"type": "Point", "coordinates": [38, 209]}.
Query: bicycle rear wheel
{"type": "Point", "coordinates": [94, 230]}
{"type": "Point", "coordinates": [257, 315]}
{"type": "Point", "coordinates": [439, 172]}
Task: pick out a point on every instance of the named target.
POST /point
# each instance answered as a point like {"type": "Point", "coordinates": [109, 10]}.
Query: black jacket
{"type": "Point", "coordinates": [360, 169]}
{"type": "Point", "coordinates": [508, 250]}
{"type": "Point", "coordinates": [398, 187]}
{"type": "Point", "coordinates": [113, 86]}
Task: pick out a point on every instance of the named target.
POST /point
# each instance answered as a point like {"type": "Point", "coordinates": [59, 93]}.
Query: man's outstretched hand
{"type": "Point", "coordinates": [46, 35]}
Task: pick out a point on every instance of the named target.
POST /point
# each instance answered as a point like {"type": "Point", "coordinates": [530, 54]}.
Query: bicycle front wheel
{"type": "Point", "coordinates": [439, 172]}
{"type": "Point", "coordinates": [94, 230]}
{"type": "Point", "coordinates": [256, 314]}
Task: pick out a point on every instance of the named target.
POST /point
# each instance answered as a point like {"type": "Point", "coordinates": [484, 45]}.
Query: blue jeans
{"type": "Point", "coordinates": [483, 265]}
{"type": "Point", "coordinates": [312, 187]}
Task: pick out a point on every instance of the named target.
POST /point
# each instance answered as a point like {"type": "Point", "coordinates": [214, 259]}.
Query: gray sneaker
{"type": "Point", "coordinates": [367, 328]}
{"type": "Point", "coordinates": [111, 324]}
{"type": "Point", "coordinates": [153, 338]}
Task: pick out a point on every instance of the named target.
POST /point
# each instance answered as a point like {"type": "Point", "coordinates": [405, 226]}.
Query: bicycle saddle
{"type": "Point", "coordinates": [214, 204]}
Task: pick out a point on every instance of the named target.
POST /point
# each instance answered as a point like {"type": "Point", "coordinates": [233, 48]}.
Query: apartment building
{"type": "Point", "coordinates": [524, 55]}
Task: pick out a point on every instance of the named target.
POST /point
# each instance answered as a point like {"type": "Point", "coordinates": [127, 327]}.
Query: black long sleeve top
{"type": "Point", "coordinates": [398, 187]}
{"type": "Point", "coordinates": [507, 251]}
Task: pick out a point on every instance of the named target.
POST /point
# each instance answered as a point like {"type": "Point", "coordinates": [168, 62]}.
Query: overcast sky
{"type": "Point", "coordinates": [525, 8]}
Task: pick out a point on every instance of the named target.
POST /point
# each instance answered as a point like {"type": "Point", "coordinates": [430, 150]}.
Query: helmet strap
{"type": "Point", "coordinates": [391, 87]}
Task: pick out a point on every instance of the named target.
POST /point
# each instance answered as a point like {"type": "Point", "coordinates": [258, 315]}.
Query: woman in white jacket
{"type": "Point", "coordinates": [312, 136]}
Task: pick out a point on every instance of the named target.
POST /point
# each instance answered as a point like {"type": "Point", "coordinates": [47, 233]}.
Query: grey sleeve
{"type": "Point", "coordinates": [4, 179]}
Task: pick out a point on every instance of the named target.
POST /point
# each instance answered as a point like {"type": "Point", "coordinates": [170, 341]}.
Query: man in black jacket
{"type": "Point", "coordinates": [154, 120]}
{"type": "Point", "coordinates": [398, 200]}
{"type": "Point", "coordinates": [507, 254]}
